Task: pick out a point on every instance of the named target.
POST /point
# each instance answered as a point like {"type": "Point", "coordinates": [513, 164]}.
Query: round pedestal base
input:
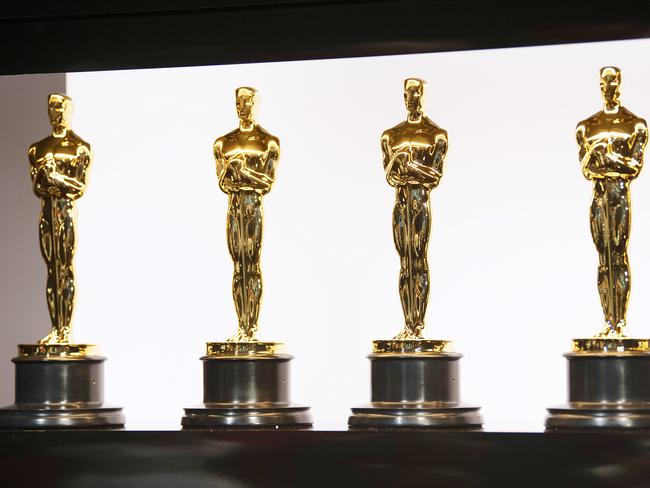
{"type": "Point", "coordinates": [383, 416]}
{"type": "Point", "coordinates": [246, 393]}
{"type": "Point", "coordinates": [249, 417]}
{"type": "Point", "coordinates": [21, 417]}
{"type": "Point", "coordinates": [606, 391]}
{"type": "Point", "coordinates": [582, 417]}
{"type": "Point", "coordinates": [419, 391]}
{"type": "Point", "coordinates": [60, 393]}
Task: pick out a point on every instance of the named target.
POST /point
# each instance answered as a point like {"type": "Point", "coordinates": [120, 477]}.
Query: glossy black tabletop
{"type": "Point", "coordinates": [243, 459]}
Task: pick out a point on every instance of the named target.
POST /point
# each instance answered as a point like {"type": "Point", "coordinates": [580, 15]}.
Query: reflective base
{"type": "Point", "coordinates": [606, 391]}
{"type": "Point", "coordinates": [246, 393]}
{"type": "Point", "coordinates": [249, 417]}
{"type": "Point", "coordinates": [60, 393]}
{"type": "Point", "coordinates": [383, 416]}
{"type": "Point", "coordinates": [419, 391]}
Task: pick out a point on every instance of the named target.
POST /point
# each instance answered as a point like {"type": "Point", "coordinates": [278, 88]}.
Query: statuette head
{"type": "Point", "coordinates": [245, 100]}
{"type": "Point", "coordinates": [59, 109]}
{"type": "Point", "coordinates": [413, 94]}
{"type": "Point", "coordinates": [610, 86]}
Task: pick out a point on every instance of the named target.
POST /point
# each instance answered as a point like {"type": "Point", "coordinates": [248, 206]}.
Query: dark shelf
{"type": "Point", "coordinates": [38, 37]}
{"type": "Point", "coordinates": [314, 459]}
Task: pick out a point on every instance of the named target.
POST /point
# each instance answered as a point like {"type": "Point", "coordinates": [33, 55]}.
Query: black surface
{"type": "Point", "coordinates": [314, 459]}
{"type": "Point", "coordinates": [76, 36]}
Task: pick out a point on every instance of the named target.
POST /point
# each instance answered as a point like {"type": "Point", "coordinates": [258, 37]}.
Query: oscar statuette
{"type": "Point", "coordinates": [414, 381]}
{"type": "Point", "coordinates": [609, 374]}
{"type": "Point", "coordinates": [59, 383]}
{"type": "Point", "coordinates": [245, 380]}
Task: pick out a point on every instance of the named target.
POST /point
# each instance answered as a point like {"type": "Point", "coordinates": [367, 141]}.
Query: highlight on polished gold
{"type": "Point", "coordinates": [413, 156]}
{"type": "Point", "coordinates": [611, 147]}
{"type": "Point", "coordinates": [246, 159]}
{"type": "Point", "coordinates": [58, 166]}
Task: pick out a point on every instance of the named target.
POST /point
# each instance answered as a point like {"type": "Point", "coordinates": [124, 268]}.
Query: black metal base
{"type": "Point", "coordinates": [61, 393]}
{"type": "Point", "coordinates": [415, 391]}
{"type": "Point", "coordinates": [606, 391]}
{"type": "Point", "coordinates": [246, 393]}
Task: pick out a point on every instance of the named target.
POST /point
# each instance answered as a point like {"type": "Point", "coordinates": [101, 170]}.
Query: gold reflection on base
{"type": "Point", "coordinates": [411, 346]}
{"type": "Point", "coordinates": [232, 349]}
{"type": "Point", "coordinates": [60, 351]}
{"type": "Point", "coordinates": [610, 345]}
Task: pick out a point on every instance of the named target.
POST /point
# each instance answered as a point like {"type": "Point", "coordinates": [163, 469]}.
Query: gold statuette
{"type": "Point", "coordinates": [246, 159]}
{"type": "Point", "coordinates": [59, 384]}
{"type": "Point", "coordinates": [415, 382]}
{"type": "Point", "coordinates": [611, 144]}
{"type": "Point", "coordinates": [607, 375]}
{"type": "Point", "coordinates": [245, 380]}
{"type": "Point", "coordinates": [413, 156]}
{"type": "Point", "coordinates": [59, 165]}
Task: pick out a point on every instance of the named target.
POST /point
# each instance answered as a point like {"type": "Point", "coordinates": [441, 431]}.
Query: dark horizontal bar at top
{"type": "Point", "coordinates": [297, 31]}
{"type": "Point", "coordinates": [39, 9]}
{"type": "Point", "coordinates": [315, 459]}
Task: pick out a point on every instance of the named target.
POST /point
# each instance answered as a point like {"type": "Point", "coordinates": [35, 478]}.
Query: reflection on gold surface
{"type": "Point", "coordinates": [611, 345]}
{"type": "Point", "coordinates": [57, 351]}
{"type": "Point", "coordinates": [611, 143]}
{"type": "Point", "coordinates": [59, 164]}
{"type": "Point", "coordinates": [413, 156]}
{"type": "Point", "coordinates": [246, 159]}
{"type": "Point", "coordinates": [243, 349]}
{"type": "Point", "coordinates": [411, 346]}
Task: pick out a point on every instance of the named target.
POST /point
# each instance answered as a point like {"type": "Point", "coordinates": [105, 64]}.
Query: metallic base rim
{"type": "Point", "coordinates": [411, 346]}
{"type": "Point", "coordinates": [610, 345]}
{"type": "Point", "coordinates": [415, 416]}
{"type": "Point", "coordinates": [57, 351]}
{"type": "Point", "coordinates": [23, 417]}
{"type": "Point", "coordinates": [594, 416]}
{"type": "Point", "coordinates": [209, 416]}
{"type": "Point", "coordinates": [244, 349]}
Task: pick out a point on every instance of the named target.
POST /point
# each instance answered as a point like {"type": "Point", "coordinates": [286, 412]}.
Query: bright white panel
{"type": "Point", "coordinates": [513, 268]}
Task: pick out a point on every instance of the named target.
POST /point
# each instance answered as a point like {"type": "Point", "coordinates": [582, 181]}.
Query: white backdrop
{"type": "Point", "coordinates": [513, 268]}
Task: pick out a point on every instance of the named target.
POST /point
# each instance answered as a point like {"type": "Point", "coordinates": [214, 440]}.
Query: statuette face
{"type": "Point", "coordinates": [611, 146]}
